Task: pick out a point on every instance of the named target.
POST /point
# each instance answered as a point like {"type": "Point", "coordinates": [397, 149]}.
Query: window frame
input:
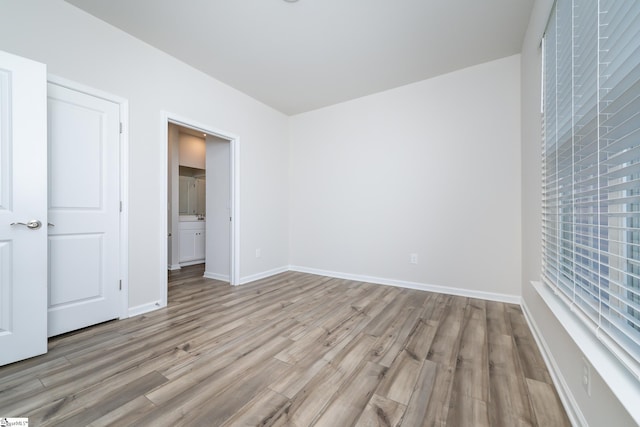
{"type": "Point", "coordinates": [629, 356]}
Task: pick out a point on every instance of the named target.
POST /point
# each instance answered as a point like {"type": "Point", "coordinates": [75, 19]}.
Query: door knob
{"type": "Point", "coordinates": [34, 224]}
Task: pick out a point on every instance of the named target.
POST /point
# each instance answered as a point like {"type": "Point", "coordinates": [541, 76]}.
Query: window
{"type": "Point", "coordinates": [591, 165]}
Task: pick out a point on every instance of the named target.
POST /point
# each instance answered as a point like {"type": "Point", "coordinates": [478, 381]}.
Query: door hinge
{"type": "Point", "coordinates": [120, 284]}
{"type": "Point", "coordinates": [120, 206]}
{"type": "Point", "coordinates": [120, 127]}
{"type": "Point", "coordinates": [229, 218]}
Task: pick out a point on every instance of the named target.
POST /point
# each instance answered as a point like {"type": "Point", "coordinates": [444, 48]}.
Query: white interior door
{"type": "Point", "coordinates": [84, 208]}
{"type": "Point", "coordinates": [23, 196]}
{"type": "Point", "coordinates": [218, 248]}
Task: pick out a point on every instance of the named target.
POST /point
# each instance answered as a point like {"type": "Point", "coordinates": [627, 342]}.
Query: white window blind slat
{"type": "Point", "coordinates": [591, 163]}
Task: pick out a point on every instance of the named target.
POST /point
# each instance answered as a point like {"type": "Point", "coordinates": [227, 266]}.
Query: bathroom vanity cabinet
{"type": "Point", "coordinates": [192, 242]}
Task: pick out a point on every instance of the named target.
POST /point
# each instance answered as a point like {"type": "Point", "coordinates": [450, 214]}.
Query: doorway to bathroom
{"type": "Point", "coordinates": [201, 198]}
{"type": "Point", "coordinates": [187, 195]}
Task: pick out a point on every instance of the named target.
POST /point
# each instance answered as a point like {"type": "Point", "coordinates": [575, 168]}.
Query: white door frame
{"type": "Point", "coordinates": [124, 179]}
{"type": "Point", "coordinates": [234, 141]}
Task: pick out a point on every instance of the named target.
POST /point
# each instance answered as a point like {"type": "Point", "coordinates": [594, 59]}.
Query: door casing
{"type": "Point", "coordinates": [234, 141]}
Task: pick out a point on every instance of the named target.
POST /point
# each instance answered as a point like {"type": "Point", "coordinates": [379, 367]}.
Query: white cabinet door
{"type": "Point", "coordinates": [192, 242]}
{"type": "Point", "coordinates": [187, 245]}
{"type": "Point", "coordinates": [23, 200]}
{"type": "Point", "coordinates": [199, 244]}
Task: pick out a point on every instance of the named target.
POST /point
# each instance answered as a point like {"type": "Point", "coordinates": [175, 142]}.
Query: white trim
{"type": "Point", "coordinates": [234, 142]}
{"type": "Point", "coordinates": [491, 296]}
{"type": "Point", "coordinates": [234, 273]}
{"type": "Point", "coordinates": [263, 275]}
{"type": "Point", "coordinates": [174, 267]}
{"type": "Point", "coordinates": [614, 373]}
{"type": "Point", "coordinates": [124, 178]}
{"type": "Point", "coordinates": [145, 308]}
{"type": "Point", "coordinates": [188, 263]}
{"type": "Point", "coordinates": [216, 276]}
{"type": "Point", "coordinates": [124, 214]}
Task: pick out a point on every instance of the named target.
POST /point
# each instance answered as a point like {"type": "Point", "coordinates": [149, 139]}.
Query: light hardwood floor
{"type": "Point", "coordinates": [295, 349]}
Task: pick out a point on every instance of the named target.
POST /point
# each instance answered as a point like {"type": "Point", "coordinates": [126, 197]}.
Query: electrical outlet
{"type": "Point", "coordinates": [586, 376]}
{"type": "Point", "coordinates": [258, 253]}
{"type": "Point", "coordinates": [413, 258]}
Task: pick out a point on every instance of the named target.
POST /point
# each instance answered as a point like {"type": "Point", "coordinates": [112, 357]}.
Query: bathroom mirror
{"type": "Point", "coordinates": [192, 191]}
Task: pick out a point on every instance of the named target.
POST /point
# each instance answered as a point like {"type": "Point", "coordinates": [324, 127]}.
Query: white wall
{"type": "Point", "coordinates": [602, 408]}
{"type": "Point", "coordinates": [81, 48]}
{"type": "Point", "coordinates": [431, 168]}
{"type": "Point", "coordinates": [192, 151]}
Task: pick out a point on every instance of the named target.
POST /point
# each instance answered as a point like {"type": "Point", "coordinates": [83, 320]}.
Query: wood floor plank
{"type": "Point", "coordinates": [416, 410]}
{"type": "Point", "coordinates": [131, 350]}
{"type": "Point", "coordinates": [351, 400]}
{"type": "Point", "coordinates": [444, 352]}
{"type": "Point", "coordinates": [356, 325]}
{"type": "Point", "coordinates": [216, 410]}
{"type": "Point", "coordinates": [296, 378]}
{"type": "Point", "coordinates": [531, 360]}
{"type": "Point", "coordinates": [303, 346]}
{"type": "Point", "coordinates": [302, 372]}
{"type": "Point", "coordinates": [14, 383]}
{"type": "Point", "coordinates": [259, 411]}
{"type": "Point", "coordinates": [217, 371]}
{"type": "Point", "coordinates": [498, 319]}
{"type": "Point", "coordinates": [466, 410]}
{"type": "Point", "coordinates": [402, 337]}
{"type": "Point", "coordinates": [381, 412]}
{"type": "Point", "coordinates": [546, 404]}
{"type": "Point", "coordinates": [381, 323]}
{"type": "Point", "coordinates": [323, 306]}
{"type": "Point", "coordinates": [294, 349]}
{"type": "Point", "coordinates": [436, 307]}
{"type": "Point", "coordinates": [509, 403]}
{"type": "Point", "coordinates": [125, 414]}
{"type": "Point", "coordinates": [229, 346]}
{"type": "Point", "coordinates": [109, 403]}
{"type": "Point", "coordinates": [399, 381]}
{"type": "Point", "coordinates": [178, 404]}
{"type": "Point", "coordinates": [310, 402]}
{"type": "Point", "coordinates": [471, 377]}
{"type": "Point", "coordinates": [66, 401]}
{"type": "Point", "coordinates": [395, 337]}
{"type": "Point", "coordinates": [335, 317]}
{"type": "Point", "coordinates": [420, 338]}
{"type": "Point", "coordinates": [292, 382]}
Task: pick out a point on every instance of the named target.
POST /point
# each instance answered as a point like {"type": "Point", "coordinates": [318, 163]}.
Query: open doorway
{"type": "Point", "coordinates": [187, 197]}
{"type": "Point", "coordinates": [201, 190]}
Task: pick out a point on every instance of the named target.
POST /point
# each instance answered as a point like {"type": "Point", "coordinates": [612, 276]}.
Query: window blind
{"type": "Point", "coordinates": [591, 164]}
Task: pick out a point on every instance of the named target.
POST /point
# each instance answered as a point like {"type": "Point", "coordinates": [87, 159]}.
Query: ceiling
{"type": "Point", "coordinates": [308, 54]}
{"type": "Point", "coordinates": [189, 131]}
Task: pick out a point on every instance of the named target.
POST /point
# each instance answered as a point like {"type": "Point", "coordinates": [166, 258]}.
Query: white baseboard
{"type": "Point", "coordinates": [188, 263]}
{"type": "Point", "coordinates": [144, 308]}
{"type": "Point", "coordinates": [216, 276]}
{"type": "Point", "coordinates": [173, 267]}
{"type": "Point", "coordinates": [512, 299]}
{"type": "Point", "coordinates": [263, 275]}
